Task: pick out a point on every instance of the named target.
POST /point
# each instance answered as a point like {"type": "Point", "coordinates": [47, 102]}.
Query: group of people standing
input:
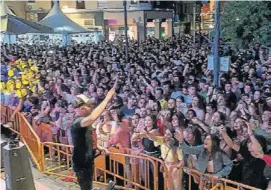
{"type": "Point", "coordinates": [164, 105]}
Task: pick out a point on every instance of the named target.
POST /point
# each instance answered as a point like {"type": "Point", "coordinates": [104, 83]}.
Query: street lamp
{"type": "Point", "coordinates": [216, 44]}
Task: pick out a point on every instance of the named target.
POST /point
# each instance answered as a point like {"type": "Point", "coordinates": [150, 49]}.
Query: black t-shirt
{"type": "Point", "coordinates": [83, 146]}
{"type": "Point", "coordinates": [231, 100]}
{"type": "Point", "coordinates": [253, 169]}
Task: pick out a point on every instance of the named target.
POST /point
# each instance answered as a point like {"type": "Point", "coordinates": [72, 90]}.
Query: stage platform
{"type": "Point", "coordinates": [38, 185]}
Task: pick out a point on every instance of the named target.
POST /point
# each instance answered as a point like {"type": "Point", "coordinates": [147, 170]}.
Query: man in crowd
{"type": "Point", "coordinates": [164, 80]}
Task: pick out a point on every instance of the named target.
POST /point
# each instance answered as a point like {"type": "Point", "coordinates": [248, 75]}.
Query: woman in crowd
{"type": "Point", "coordinates": [171, 155]}
{"type": "Point", "coordinates": [252, 173]}
{"type": "Point", "coordinates": [199, 112]}
{"type": "Point", "coordinates": [148, 145]}
{"type": "Point", "coordinates": [192, 136]}
{"type": "Point", "coordinates": [210, 159]}
{"type": "Point", "coordinates": [178, 79]}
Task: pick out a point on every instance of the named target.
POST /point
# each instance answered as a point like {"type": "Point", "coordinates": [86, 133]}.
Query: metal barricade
{"type": "Point", "coordinates": [31, 140]}
{"type": "Point", "coordinates": [3, 115]}
{"type": "Point", "coordinates": [58, 162]}
{"type": "Point", "coordinates": [6, 113]}
{"type": "Point", "coordinates": [161, 173]}
{"type": "Point", "coordinates": [45, 132]}
{"type": "Point", "coordinates": [127, 169]}
{"type": "Point", "coordinates": [207, 181]}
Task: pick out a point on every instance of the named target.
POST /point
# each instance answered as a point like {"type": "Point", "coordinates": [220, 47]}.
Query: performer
{"type": "Point", "coordinates": [81, 132]}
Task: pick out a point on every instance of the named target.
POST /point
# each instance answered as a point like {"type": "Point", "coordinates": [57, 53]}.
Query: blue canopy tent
{"type": "Point", "coordinates": [11, 26]}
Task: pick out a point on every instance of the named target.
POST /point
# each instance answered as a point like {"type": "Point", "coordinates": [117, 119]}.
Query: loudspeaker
{"type": "Point", "coordinates": [3, 143]}
{"type": "Point", "coordinates": [17, 167]}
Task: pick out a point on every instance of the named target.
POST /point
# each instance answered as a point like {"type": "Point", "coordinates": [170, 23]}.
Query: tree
{"type": "Point", "coordinates": [245, 23]}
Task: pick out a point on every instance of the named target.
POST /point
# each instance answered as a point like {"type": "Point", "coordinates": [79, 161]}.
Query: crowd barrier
{"type": "Point", "coordinates": [128, 170]}
{"type": "Point", "coordinates": [114, 165]}
{"type": "Point", "coordinates": [31, 140]}
{"type": "Point", "coordinates": [6, 114]}
{"type": "Point", "coordinates": [26, 133]}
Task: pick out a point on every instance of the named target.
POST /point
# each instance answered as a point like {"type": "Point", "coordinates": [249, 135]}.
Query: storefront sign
{"type": "Point", "coordinates": [112, 22]}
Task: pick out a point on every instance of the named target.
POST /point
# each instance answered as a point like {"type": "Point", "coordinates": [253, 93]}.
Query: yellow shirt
{"type": "Point", "coordinates": [168, 154]}
{"type": "Point", "coordinates": [163, 104]}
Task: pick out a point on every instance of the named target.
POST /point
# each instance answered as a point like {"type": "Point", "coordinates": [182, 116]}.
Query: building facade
{"type": "Point", "coordinates": [107, 15]}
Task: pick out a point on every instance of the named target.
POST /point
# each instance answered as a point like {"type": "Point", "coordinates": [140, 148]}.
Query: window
{"type": "Point", "coordinates": [80, 4]}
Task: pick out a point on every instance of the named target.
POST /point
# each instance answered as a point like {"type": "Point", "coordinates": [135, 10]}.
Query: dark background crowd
{"type": "Point", "coordinates": [165, 92]}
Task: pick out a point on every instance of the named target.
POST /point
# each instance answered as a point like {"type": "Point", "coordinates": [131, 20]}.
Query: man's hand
{"type": "Point", "coordinates": [258, 154]}
{"type": "Point", "coordinates": [249, 128]}
{"type": "Point", "coordinates": [112, 91]}
{"type": "Point", "coordinates": [116, 82]}
{"type": "Point", "coordinates": [222, 130]}
{"type": "Point", "coordinates": [179, 136]}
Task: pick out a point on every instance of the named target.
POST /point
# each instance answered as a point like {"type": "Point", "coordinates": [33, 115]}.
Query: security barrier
{"type": "Point", "coordinates": [4, 117]}
{"type": "Point", "coordinates": [27, 135]}
{"type": "Point", "coordinates": [31, 141]}
{"type": "Point", "coordinates": [115, 166]}
{"type": "Point", "coordinates": [44, 131]}
{"type": "Point", "coordinates": [128, 170]}
{"type": "Point", "coordinates": [207, 181]}
{"type": "Point", "coordinates": [220, 186]}
{"type": "Point", "coordinates": [6, 114]}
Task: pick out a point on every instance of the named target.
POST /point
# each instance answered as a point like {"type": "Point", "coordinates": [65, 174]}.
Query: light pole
{"type": "Point", "coordinates": [125, 30]}
{"type": "Point", "coordinates": [216, 44]}
{"type": "Point", "coordinates": [194, 23]}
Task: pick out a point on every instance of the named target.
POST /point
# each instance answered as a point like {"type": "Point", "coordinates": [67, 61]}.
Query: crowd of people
{"type": "Point", "coordinates": [166, 104]}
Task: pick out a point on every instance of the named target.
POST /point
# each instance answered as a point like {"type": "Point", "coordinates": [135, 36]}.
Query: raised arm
{"type": "Point", "coordinates": [187, 149]}
{"type": "Point", "coordinates": [94, 78]}
{"type": "Point", "coordinates": [203, 125]}
{"type": "Point", "coordinates": [17, 109]}
{"type": "Point", "coordinates": [76, 79]}
{"type": "Point", "coordinates": [228, 140]}
{"type": "Point", "coordinates": [148, 85]}
{"type": "Point", "coordinates": [195, 150]}
{"type": "Point", "coordinates": [89, 120]}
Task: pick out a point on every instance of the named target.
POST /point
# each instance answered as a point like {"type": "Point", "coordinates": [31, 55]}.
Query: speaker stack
{"type": "Point", "coordinates": [3, 143]}
{"type": "Point", "coordinates": [17, 167]}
